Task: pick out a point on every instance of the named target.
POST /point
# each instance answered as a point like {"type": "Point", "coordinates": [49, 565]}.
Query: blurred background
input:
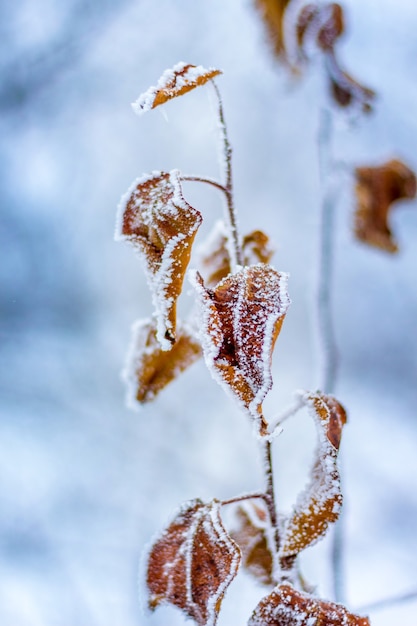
{"type": "Point", "coordinates": [84, 483]}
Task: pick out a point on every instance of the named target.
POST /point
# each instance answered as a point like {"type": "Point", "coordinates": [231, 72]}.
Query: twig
{"type": "Point", "coordinates": [235, 249]}
{"type": "Point", "coordinates": [208, 181]}
{"type": "Point", "coordinates": [329, 354]}
{"type": "Point", "coordinates": [269, 490]}
{"type": "Point", "coordinates": [386, 603]}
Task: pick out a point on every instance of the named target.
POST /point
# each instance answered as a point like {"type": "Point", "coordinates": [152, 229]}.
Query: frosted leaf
{"type": "Point", "coordinates": [215, 259]}
{"type": "Point", "coordinates": [154, 217]}
{"type": "Point", "coordinates": [376, 190]}
{"type": "Point", "coordinates": [253, 538]}
{"type": "Point", "coordinates": [149, 368]}
{"type": "Point", "coordinates": [174, 82]}
{"type": "Point", "coordinates": [273, 13]}
{"type": "Point", "coordinates": [241, 320]}
{"type": "Point", "coordinates": [320, 502]}
{"type": "Point", "coordinates": [193, 562]}
{"type": "Point", "coordinates": [286, 606]}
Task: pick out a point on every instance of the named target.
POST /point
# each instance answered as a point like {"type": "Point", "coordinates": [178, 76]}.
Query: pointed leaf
{"type": "Point", "coordinates": [376, 190]}
{"type": "Point", "coordinates": [320, 503]}
{"type": "Point", "coordinates": [174, 82]}
{"type": "Point", "coordinates": [158, 222]}
{"type": "Point", "coordinates": [215, 258]}
{"type": "Point", "coordinates": [193, 562]}
{"type": "Point", "coordinates": [149, 368]}
{"type": "Point", "coordinates": [286, 606]}
{"type": "Point", "coordinates": [273, 13]}
{"type": "Point", "coordinates": [241, 320]}
{"type": "Point", "coordinates": [252, 537]}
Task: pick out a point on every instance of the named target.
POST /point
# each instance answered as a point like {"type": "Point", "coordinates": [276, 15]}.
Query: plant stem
{"type": "Point", "coordinates": [204, 179]}
{"type": "Point", "coordinates": [269, 490]}
{"type": "Point", "coordinates": [235, 249]}
{"type": "Point", "coordinates": [329, 353]}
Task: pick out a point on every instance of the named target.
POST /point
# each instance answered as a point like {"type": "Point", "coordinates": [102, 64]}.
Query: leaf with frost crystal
{"type": "Point", "coordinates": [286, 606]}
{"type": "Point", "coordinates": [252, 537]}
{"type": "Point", "coordinates": [193, 562]}
{"type": "Point", "coordinates": [241, 320]}
{"type": "Point", "coordinates": [376, 190]}
{"type": "Point", "coordinates": [161, 225]}
{"type": "Point", "coordinates": [174, 82]}
{"type": "Point", "coordinates": [215, 258]}
{"type": "Point", "coordinates": [149, 368]}
{"type": "Point", "coordinates": [320, 503]}
{"type": "Point", "coordinates": [273, 13]}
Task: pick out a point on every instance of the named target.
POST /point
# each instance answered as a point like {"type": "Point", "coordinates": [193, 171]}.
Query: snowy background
{"type": "Point", "coordinates": [84, 483]}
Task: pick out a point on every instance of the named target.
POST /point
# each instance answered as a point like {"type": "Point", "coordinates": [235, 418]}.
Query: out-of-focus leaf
{"type": "Point", "coordinates": [286, 606]}
{"type": "Point", "coordinates": [161, 225]}
{"type": "Point", "coordinates": [252, 538]}
{"type": "Point", "coordinates": [149, 368]}
{"type": "Point", "coordinates": [273, 13]}
{"type": "Point", "coordinates": [377, 188]}
{"type": "Point", "coordinates": [193, 562]}
{"type": "Point", "coordinates": [241, 319]}
{"type": "Point", "coordinates": [323, 25]}
{"type": "Point", "coordinates": [345, 90]}
{"type": "Point", "coordinates": [175, 82]}
{"type": "Point", "coordinates": [320, 503]}
{"type": "Point", "coordinates": [215, 258]}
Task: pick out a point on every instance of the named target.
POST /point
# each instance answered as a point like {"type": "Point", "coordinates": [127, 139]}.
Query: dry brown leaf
{"type": "Point", "coordinates": [286, 606]}
{"type": "Point", "coordinates": [149, 368]}
{"type": "Point", "coordinates": [320, 503]}
{"type": "Point", "coordinates": [161, 225]}
{"type": "Point", "coordinates": [273, 13]}
{"type": "Point", "coordinates": [252, 538]}
{"type": "Point", "coordinates": [377, 188]}
{"type": "Point", "coordinates": [345, 90]}
{"type": "Point", "coordinates": [215, 258]}
{"type": "Point", "coordinates": [305, 20]}
{"type": "Point", "coordinates": [241, 320]}
{"type": "Point", "coordinates": [193, 562]}
{"type": "Point", "coordinates": [174, 82]}
{"type": "Point", "coordinates": [332, 26]}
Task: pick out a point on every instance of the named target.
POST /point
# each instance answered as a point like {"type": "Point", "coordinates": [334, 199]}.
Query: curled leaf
{"type": "Point", "coordinates": [193, 562]}
{"type": "Point", "coordinates": [377, 188]}
{"type": "Point", "coordinates": [241, 320]}
{"type": "Point", "coordinates": [252, 537]}
{"type": "Point", "coordinates": [345, 90]}
{"type": "Point", "coordinates": [323, 25]}
{"type": "Point", "coordinates": [149, 368]}
{"type": "Point", "coordinates": [286, 606]}
{"type": "Point", "coordinates": [215, 257]}
{"type": "Point", "coordinates": [161, 225]}
{"type": "Point", "coordinates": [174, 82]}
{"type": "Point", "coordinates": [273, 13]}
{"type": "Point", "coordinates": [320, 503]}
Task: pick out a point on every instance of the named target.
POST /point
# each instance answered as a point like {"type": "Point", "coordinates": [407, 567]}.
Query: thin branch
{"type": "Point", "coordinates": [242, 498]}
{"type": "Point", "coordinates": [269, 490]}
{"type": "Point", "coordinates": [235, 251]}
{"type": "Point", "coordinates": [208, 181]}
{"type": "Point", "coordinates": [329, 353]}
{"type": "Point", "coordinates": [387, 603]}
{"type": "Point", "coordinates": [275, 422]}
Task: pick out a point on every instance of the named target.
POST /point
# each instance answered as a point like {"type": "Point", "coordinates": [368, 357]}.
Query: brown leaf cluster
{"type": "Point", "coordinates": [320, 503]}
{"type": "Point", "coordinates": [252, 538]}
{"type": "Point", "coordinates": [175, 82]}
{"type": "Point", "coordinates": [377, 188]}
{"type": "Point", "coordinates": [321, 25]}
{"type": "Point", "coordinates": [286, 606]}
{"type": "Point", "coordinates": [215, 260]}
{"type": "Point", "coordinates": [241, 320]}
{"type": "Point", "coordinates": [192, 563]}
{"type": "Point", "coordinates": [161, 225]}
{"type": "Point", "coordinates": [325, 24]}
{"type": "Point", "coordinates": [149, 368]}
